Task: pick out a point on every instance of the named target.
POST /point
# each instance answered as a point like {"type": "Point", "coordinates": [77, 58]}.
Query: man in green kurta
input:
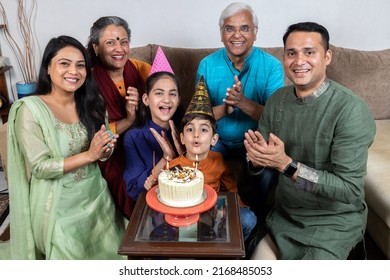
{"type": "Point", "coordinates": [317, 134]}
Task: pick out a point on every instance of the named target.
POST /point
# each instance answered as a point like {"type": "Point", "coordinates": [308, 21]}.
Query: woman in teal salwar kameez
{"type": "Point", "coordinates": [60, 206]}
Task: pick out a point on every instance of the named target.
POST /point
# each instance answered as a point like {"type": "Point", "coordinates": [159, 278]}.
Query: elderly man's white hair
{"type": "Point", "coordinates": [233, 9]}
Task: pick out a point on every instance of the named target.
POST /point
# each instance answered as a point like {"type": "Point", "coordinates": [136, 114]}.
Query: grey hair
{"type": "Point", "coordinates": [233, 9]}
{"type": "Point", "coordinates": [102, 23]}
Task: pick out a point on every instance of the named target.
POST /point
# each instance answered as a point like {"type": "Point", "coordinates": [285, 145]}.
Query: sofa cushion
{"type": "Point", "coordinates": [367, 73]}
{"type": "Point", "coordinates": [377, 186]}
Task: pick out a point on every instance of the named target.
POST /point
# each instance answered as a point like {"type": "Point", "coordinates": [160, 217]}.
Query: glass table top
{"type": "Point", "coordinates": [212, 226]}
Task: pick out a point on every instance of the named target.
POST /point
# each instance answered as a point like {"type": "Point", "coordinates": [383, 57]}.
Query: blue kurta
{"type": "Point", "coordinates": [323, 214]}
{"type": "Point", "coordinates": [261, 76]}
{"type": "Point", "coordinates": [139, 144]}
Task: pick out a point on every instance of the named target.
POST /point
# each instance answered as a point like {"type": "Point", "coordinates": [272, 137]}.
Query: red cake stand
{"type": "Point", "coordinates": [181, 216]}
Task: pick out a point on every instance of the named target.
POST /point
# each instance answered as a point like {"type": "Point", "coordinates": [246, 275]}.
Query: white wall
{"type": "Point", "coordinates": [358, 24]}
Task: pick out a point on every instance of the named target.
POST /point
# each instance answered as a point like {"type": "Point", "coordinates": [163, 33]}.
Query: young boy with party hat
{"type": "Point", "coordinates": [198, 134]}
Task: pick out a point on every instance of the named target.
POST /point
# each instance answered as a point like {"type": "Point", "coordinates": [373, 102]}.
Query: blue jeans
{"type": "Point", "coordinates": [248, 221]}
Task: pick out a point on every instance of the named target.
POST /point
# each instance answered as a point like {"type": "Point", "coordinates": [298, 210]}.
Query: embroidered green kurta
{"type": "Point", "coordinates": [55, 215]}
{"type": "Point", "coordinates": [323, 214]}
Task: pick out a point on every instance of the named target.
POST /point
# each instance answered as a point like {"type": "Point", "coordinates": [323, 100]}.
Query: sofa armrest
{"type": "Point", "coordinates": [3, 147]}
{"type": "Point", "coordinates": [377, 187]}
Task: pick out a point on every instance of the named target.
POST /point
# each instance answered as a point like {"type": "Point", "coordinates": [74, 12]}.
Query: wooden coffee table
{"type": "Point", "coordinates": [217, 234]}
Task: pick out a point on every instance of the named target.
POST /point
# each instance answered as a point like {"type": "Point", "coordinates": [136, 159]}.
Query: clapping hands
{"type": "Point", "coordinates": [267, 154]}
{"type": "Point", "coordinates": [234, 96]}
{"type": "Point", "coordinates": [102, 144]}
{"type": "Point", "coordinates": [166, 145]}
{"type": "Point", "coordinates": [132, 99]}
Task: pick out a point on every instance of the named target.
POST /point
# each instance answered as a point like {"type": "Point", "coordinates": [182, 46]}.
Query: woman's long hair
{"type": "Point", "coordinates": [89, 104]}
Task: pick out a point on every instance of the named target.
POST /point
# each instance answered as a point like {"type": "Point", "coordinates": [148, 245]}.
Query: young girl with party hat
{"type": "Point", "coordinates": [154, 140]}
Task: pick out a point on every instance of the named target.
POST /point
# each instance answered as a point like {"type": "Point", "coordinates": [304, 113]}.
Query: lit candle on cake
{"type": "Point", "coordinates": [193, 164]}
{"type": "Point", "coordinates": [196, 162]}
{"type": "Point", "coordinates": [167, 163]}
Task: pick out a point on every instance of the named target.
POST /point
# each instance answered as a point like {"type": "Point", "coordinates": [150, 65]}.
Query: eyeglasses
{"type": "Point", "coordinates": [243, 29]}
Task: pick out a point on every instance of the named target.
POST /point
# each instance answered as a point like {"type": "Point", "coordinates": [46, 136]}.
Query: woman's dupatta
{"type": "Point", "coordinates": [113, 168]}
{"type": "Point", "coordinates": [115, 103]}
{"type": "Point", "coordinates": [22, 241]}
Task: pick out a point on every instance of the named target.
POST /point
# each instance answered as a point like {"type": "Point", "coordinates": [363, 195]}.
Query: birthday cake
{"type": "Point", "coordinates": [181, 186]}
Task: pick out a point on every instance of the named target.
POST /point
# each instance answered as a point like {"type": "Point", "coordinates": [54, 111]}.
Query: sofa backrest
{"type": "Point", "coordinates": [184, 63]}
{"type": "Point", "coordinates": [367, 73]}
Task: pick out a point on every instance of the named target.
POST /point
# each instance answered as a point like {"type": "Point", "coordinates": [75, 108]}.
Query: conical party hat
{"type": "Point", "coordinates": [200, 103]}
{"type": "Point", "coordinates": [160, 63]}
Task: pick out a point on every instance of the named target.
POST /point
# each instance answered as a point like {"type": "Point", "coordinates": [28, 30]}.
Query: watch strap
{"type": "Point", "coordinates": [290, 170]}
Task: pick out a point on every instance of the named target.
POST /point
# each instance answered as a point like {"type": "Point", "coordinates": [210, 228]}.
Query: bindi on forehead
{"type": "Point", "coordinates": [118, 37]}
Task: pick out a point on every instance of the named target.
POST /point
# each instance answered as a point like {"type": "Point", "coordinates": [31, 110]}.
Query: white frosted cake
{"type": "Point", "coordinates": [181, 187]}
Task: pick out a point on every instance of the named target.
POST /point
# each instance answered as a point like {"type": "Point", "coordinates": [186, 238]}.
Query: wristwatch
{"type": "Point", "coordinates": [291, 169]}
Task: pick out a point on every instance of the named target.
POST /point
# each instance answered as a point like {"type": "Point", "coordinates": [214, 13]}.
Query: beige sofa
{"type": "Point", "coordinates": [367, 73]}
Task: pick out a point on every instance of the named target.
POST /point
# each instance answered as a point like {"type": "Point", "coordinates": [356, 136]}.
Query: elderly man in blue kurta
{"type": "Point", "coordinates": [240, 78]}
{"type": "Point", "coordinates": [316, 133]}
